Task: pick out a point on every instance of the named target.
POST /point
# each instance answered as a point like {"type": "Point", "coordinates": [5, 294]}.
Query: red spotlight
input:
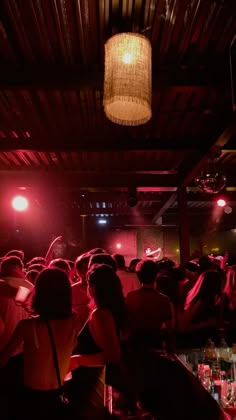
{"type": "Point", "coordinates": [221, 202]}
{"type": "Point", "coordinates": [20, 203]}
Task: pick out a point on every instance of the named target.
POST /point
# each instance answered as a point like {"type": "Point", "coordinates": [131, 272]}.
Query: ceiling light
{"type": "Point", "coordinates": [127, 81]}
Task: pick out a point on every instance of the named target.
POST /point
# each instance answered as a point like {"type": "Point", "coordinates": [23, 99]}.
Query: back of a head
{"type": "Point", "coordinates": [192, 266]}
{"type": "Point", "coordinates": [36, 260]}
{"type": "Point", "coordinates": [95, 251]}
{"type": "Point", "coordinates": [15, 253]}
{"type": "Point", "coordinates": [9, 264]}
{"type": "Point", "coordinates": [60, 263]}
{"type": "Point", "coordinates": [108, 291]}
{"type": "Point", "coordinates": [146, 271]}
{"type": "Point", "coordinates": [102, 259]}
{"type": "Point", "coordinates": [38, 267]}
{"type": "Point", "coordinates": [132, 265]}
{"type": "Point", "coordinates": [81, 263]}
{"type": "Point", "coordinates": [53, 296]}
{"type": "Point", "coordinates": [205, 263]}
{"type": "Point", "coordinates": [178, 274]}
{"type": "Point", "coordinates": [120, 261]}
{"type": "Point", "coordinates": [32, 275]}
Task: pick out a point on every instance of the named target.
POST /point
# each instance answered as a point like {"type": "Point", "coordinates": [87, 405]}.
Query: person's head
{"type": "Point", "coordinates": [167, 285]}
{"type": "Point", "coordinates": [16, 253]}
{"type": "Point", "coordinates": [11, 265]}
{"type": "Point", "coordinates": [38, 267]}
{"type": "Point", "coordinates": [192, 266]}
{"type": "Point", "coordinates": [94, 251]}
{"type": "Point", "coordinates": [105, 288]}
{"type": "Point", "coordinates": [205, 263]}
{"type": "Point", "coordinates": [102, 259]}
{"type": "Point", "coordinates": [81, 266]}
{"type": "Point", "coordinates": [146, 271]}
{"type": "Point", "coordinates": [132, 265]}
{"type": "Point", "coordinates": [60, 263]}
{"type": "Point", "coordinates": [36, 260]}
{"type": "Point", "coordinates": [52, 294]}
{"type": "Point", "coordinates": [32, 275]}
{"type": "Point", "coordinates": [165, 265]}
{"type": "Point", "coordinates": [120, 261]}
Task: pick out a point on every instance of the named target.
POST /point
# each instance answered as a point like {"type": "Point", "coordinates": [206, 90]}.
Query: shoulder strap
{"type": "Point", "coordinates": [54, 355]}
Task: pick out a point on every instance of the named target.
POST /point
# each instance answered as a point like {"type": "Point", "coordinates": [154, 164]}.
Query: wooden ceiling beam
{"type": "Point", "coordinates": [166, 203]}
{"type": "Point", "coordinates": [190, 170]}
{"type": "Point", "coordinates": [71, 179]}
{"type": "Point", "coordinates": [43, 77]}
{"type": "Point", "coordinates": [92, 144]}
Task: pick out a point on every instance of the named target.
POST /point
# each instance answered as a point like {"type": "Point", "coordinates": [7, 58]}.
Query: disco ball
{"type": "Point", "coordinates": [211, 180]}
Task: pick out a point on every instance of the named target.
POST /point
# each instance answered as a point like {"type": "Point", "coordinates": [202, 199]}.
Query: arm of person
{"type": "Point", "coordinates": [49, 254]}
{"type": "Point", "coordinates": [185, 317]}
{"type": "Point", "coordinates": [170, 325]}
{"type": "Point", "coordinates": [15, 340]}
{"type": "Point", "coordinates": [103, 330]}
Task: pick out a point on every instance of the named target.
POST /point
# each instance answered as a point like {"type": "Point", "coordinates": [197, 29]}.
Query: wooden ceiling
{"type": "Point", "coordinates": [53, 131]}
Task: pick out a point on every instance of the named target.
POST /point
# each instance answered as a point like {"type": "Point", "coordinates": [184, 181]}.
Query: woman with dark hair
{"type": "Point", "coordinates": [52, 305]}
{"type": "Point", "coordinates": [98, 342]}
{"type": "Point", "coordinates": [200, 318]}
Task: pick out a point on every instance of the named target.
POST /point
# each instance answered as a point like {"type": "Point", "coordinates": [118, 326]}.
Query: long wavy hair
{"type": "Point", "coordinates": [207, 288]}
{"type": "Point", "coordinates": [52, 295]}
{"type": "Point", "coordinates": [108, 291]}
{"type": "Point", "coordinates": [230, 283]}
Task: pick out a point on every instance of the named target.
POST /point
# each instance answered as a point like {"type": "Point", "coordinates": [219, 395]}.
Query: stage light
{"type": "Point", "coordinates": [102, 221]}
{"type": "Point", "coordinates": [221, 202]}
{"type": "Point", "coordinates": [20, 203]}
{"type": "Point", "coordinates": [118, 246]}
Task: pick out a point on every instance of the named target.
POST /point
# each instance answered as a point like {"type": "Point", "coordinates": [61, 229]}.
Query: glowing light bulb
{"type": "Point", "coordinates": [20, 203]}
{"type": "Point", "coordinates": [127, 58]}
{"type": "Point", "coordinates": [221, 202]}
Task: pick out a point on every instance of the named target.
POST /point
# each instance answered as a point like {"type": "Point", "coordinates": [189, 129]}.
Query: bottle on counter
{"type": "Point", "coordinates": [224, 355]}
{"type": "Point", "coordinates": [209, 352]}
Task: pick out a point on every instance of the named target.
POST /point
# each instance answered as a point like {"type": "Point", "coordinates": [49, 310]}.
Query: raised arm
{"type": "Point", "coordinates": [49, 254]}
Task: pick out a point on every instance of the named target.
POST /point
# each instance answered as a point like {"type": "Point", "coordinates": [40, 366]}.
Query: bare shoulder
{"type": "Point", "coordinates": [101, 315]}
{"type": "Point", "coordinates": [164, 299]}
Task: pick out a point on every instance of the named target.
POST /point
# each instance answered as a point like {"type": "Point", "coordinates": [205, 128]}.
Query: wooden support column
{"type": "Point", "coordinates": [184, 245]}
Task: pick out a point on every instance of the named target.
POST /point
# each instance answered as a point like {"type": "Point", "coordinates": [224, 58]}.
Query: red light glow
{"type": "Point", "coordinates": [221, 202]}
{"type": "Point", "coordinates": [20, 203]}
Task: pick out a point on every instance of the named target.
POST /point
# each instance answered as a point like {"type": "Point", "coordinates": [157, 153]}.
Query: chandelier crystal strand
{"type": "Point", "coordinates": [127, 81]}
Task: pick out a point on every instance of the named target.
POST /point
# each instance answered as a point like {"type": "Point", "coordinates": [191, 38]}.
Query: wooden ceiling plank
{"type": "Point", "coordinates": [164, 206]}
{"type": "Point", "coordinates": [189, 175]}
{"type": "Point", "coordinates": [192, 170]}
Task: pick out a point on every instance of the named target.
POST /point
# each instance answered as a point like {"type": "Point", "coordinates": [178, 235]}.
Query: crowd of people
{"type": "Point", "coordinates": [108, 325]}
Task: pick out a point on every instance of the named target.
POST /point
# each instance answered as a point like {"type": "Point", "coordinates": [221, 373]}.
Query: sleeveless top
{"type": "Point", "coordinates": [86, 343]}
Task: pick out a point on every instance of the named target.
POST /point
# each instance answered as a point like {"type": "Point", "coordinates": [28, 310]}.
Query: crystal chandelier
{"type": "Point", "coordinates": [127, 80]}
{"type": "Point", "coordinates": [211, 180]}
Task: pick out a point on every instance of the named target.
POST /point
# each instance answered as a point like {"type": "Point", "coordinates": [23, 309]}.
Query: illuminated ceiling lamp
{"type": "Point", "coordinates": [127, 82]}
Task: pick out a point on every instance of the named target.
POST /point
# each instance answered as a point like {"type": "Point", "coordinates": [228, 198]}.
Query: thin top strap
{"type": "Point", "coordinates": [54, 355]}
